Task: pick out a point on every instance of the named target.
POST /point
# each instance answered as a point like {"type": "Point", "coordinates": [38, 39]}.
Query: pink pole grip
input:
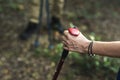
{"type": "Point", "coordinates": [74, 31]}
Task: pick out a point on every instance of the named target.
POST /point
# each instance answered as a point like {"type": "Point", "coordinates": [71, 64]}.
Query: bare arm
{"type": "Point", "coordinates": [80, 44]}
{"type": "Point", "coordinates": [107, 48]}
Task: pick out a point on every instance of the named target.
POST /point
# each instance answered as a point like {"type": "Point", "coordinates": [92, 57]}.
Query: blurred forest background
{"type": "Point", "coordinates": [19, 60]}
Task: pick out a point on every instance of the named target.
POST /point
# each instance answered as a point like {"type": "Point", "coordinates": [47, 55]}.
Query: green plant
{"type": "Point", "coordinates": [14, 6]}
{"type": "Point", "coordinates": [1, 9]}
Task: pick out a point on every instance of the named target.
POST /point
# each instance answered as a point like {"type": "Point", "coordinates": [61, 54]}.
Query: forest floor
{"type": "Point", "coordinates": [19, 60]}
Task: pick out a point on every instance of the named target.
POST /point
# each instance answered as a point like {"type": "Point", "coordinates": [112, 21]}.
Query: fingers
{"type": "Point", "coordinates": [66, 34]}
{"type": "Point", "coordinates": [65, 46]}
{"type": "Point", "coordinates": [66, 43]}
{"type": "Point", "coordinates": [65, 39]}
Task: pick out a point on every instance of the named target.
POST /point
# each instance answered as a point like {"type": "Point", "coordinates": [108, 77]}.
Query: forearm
{"type": "Point", "coordinates": [107, 48]}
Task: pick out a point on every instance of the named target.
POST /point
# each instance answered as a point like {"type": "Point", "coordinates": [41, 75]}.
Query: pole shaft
{"type": "Point", "coordinates": [63, 57]}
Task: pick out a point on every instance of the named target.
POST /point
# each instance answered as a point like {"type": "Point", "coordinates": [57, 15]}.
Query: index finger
{"type": "Point", "coordinates": [66, 33]}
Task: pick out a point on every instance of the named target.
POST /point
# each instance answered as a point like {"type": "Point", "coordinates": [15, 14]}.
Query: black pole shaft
{"type": "Point", "coordinates": [59, 66]}
{"type": "Point", "coordinates": [48, 22]}
{"type": "Point", "coordinates": [40, 21]}
{"type": "Point", "coordinates": [40, 16]}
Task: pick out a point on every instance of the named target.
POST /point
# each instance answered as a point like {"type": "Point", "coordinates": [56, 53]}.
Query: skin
{"type": "Point", "coordinates": [80, 44]}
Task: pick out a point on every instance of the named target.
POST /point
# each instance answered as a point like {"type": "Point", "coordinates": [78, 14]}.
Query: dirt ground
{"type": "Point", "coordinates": [17, 60]}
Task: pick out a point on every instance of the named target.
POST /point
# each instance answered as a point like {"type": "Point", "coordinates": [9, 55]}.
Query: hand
{"type": "Point", "coordinates": [75, 43]}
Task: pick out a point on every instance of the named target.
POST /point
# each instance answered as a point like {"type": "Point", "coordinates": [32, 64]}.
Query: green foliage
{"type": "Point", "coordinates": [1, 9]}
{"type": "Point", "coordinates": [14, 6]}
{"type": "Point", "coordinates": [94, 37]}
{"type": "Point", "coordinates": [86, 65]}
{"type": "Point", "coordinates": [54, 54]}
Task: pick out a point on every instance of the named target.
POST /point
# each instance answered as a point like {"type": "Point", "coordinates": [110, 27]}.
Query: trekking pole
{"type": "Point", "coordinates": [37, 43]}
{"type": "Point", "coordinates": [48, 24]}
{"type": "Point", "coordinates": [75, 32]}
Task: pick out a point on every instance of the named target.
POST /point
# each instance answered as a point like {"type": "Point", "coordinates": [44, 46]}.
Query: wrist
{"type": "Point", "coordinates": [85, 46]}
